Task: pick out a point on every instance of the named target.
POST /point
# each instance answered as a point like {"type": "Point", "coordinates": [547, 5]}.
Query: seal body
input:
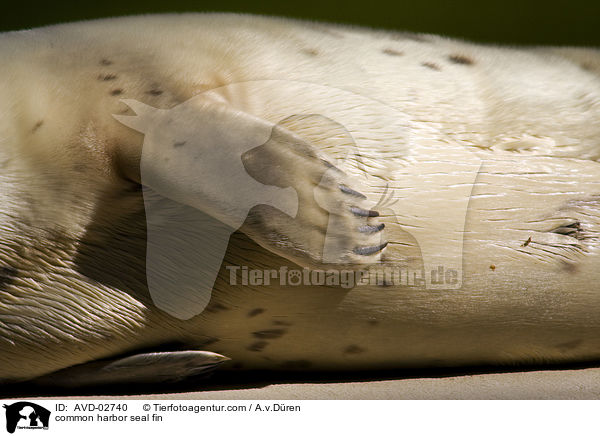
{"type": "Point", "coordinates": [493, 170]}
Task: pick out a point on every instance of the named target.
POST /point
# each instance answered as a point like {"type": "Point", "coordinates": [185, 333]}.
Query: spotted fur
{"type": "Point", "coordinates": [73, 285]}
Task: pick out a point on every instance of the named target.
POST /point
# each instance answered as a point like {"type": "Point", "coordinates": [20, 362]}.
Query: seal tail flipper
{"type": "Point", "coordinates": [142, 368]}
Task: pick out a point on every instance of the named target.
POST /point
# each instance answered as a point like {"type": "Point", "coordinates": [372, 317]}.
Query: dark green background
{"type": "Point", "coordinates": [523, 22]}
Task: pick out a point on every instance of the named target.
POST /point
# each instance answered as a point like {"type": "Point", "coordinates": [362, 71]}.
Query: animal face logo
{"type": "Point", "coordinates": [26, 415]}
{"type": "Point", "coordinates": [192, 160]}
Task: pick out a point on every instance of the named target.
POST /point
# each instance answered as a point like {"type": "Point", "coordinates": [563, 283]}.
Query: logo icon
{"type": "Point", "coordinates": [26, 415]}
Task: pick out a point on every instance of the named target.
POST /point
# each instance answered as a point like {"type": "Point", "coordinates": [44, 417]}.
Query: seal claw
{"type": "Point", "coordinates": [346, 190]}
{"type": "Point", "coordinates": [367, 251]}
{"type": "Point", "coordinates": [363, 212]}
{"type": "Point", "coordinates": [371, 229]}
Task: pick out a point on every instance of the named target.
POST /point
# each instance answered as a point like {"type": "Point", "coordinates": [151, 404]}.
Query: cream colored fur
{"type": "Point", "coordinates": [72, 228]}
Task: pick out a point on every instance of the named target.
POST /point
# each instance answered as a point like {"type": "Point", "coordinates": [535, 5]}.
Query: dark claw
{"type": "Point", "coordinates": [371, 229]}
{"type": "Point", "coordinates": [331, 166]}
{"type": "Point", "coordinates": [363, 213]}
{"type": "Point", "coordinates": [366, 251]}
{"type": "Point", "coordinates": [351, 191]}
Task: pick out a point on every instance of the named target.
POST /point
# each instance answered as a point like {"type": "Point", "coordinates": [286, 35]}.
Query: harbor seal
{"type": "Point", "coordinates": [431, 202]}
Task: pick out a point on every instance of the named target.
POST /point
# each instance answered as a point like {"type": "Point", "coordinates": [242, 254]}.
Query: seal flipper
{"type": "Point", "coordinates": [256, 175]}
{"type": "Point", "coordinates": [142, 368]}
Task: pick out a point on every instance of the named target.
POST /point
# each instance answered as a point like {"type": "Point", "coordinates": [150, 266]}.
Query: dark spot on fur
{"type": "Point", "coordinates": [587, 66]}
{"type": "Point", "coordinates": [105, 62]}
{"type": "Point", "coordinates": [569, 267]}
{"type": "Point", "coordinates": [296, 364]}
{"type": "Point", "coordinates": [570, 345]}
{"type": "Point", "coordinates": [116, 92]}
{"type": "Point", "coordinates": [216, 307]}
{"type": "Point", "coordinates": [460, 59]}
{"type": "Point", "coordinates": [493, 267]}
{"type": "Point", "coordinates": [373, 322]}
{"type": "Point", "coordinates": [284, 323]}
{"type": "Point", "coordinates": [179, 144]}
{"type": "Point", "coordinates": [209, 341]}
{"type": "Point", "coordinates": [154, 92]}
{"type": "Point", "coordinates": [392, 52]}
{"type": "Point", "coordinates": [527, 242]}
{"type": "Point", "coordinates": [431, 66]}
{"type": "Point", "coordinates": [398, 36]}
{"type": "Point", "coordinates": [133, 187]}
{"type": "Point", "coordinates": [269, 334]}
{"type": "Point", "coordinates": [107, 77]}
{"type": "Point", "coordinates": [257, 346]}
{"type": "Point", "coordinates": [310, 51]}
{"type": "Point", "coordinates": [255, 312]}
{"type": "Point", "coordinates": [323, 29]}
{"type": "Point", "coordinates": [37, 126]}
{"type": "Point", "coordinates": [7, 274]}
{"type": "Point", "coordinates": [353, 349]}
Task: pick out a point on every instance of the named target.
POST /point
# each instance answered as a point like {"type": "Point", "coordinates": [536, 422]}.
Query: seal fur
{"type": "Point", "coordinates": [72, 225]}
